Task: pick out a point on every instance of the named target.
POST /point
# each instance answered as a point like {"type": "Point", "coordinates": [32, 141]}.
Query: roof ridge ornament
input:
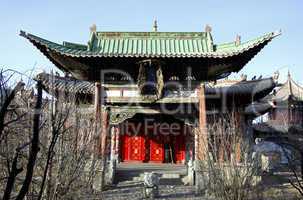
{"type": "Point", "coordinates": [277, 33]}
{"type": "Point", "coordinates": [243, 77]}
{"type": "Point", "coordinates": [208, 28]}
{"type": "Point", "coordinates": [93, 28]}
{"type": "Point", "coordinates": [238, 40]}
{"type": "Point", "coordinates": [155, 26]}
{"type": "Point", "coordinates": [22, 33]}
{"type": "Point", "coordinates": [275, 76]}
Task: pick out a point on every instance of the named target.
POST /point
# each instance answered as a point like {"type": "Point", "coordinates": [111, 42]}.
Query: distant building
{"type": "Point", "coordinates": [286, 116]}
{"type": "Point", "coordinates": [284, 126]}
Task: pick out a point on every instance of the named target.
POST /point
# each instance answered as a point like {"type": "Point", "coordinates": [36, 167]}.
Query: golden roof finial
{"type": "Point", "coordinates": [155, 26]}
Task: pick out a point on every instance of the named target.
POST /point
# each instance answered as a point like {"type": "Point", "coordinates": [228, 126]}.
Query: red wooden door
{"type": "Point", "coordinates": [125, 147]}
{"type": "Point", "coordinates": [180, 148]}
{"type": "Point", "coordinates": [137, 148]}
{"type": "Point", "coordinates": [133, 148]}
{"type": "Point", "coordinates": [156, 149]}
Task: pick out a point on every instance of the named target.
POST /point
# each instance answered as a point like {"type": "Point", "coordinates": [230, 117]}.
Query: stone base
{"type": "Point", "coordinates": [94, 171]}
{"type": "Point", "coordinates": [201, 178]}
{"type": "Point", "coordinates": [189, 179]}
{"type": "Point", "coordinates": [109, 175]}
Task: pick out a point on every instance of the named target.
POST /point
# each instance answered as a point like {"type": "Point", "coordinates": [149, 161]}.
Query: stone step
{"type": "Point", "coordinates": [169, 174]}
{"type": "Point", "coordinates": [163, 176]}
{"type": "Point", "coordinates": [120, 174]}
{"type": "Point", "coordinates": [164, 179]}
{"type": "Point", "coordinates": [129, 190]}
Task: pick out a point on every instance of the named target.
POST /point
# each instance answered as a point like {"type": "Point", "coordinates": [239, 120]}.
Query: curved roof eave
{"type": "Point", "coordinates": [233, 51]}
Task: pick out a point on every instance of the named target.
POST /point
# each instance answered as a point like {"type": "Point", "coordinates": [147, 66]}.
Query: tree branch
{"type": "Point", "coordinates": [6, 103]}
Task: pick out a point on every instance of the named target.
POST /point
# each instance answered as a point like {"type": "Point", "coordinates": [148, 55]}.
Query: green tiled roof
{"type": "Point", "coordinates": [151, 44]}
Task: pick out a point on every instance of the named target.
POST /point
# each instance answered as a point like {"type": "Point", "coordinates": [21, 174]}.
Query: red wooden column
{"type": "Point", "coordinates": [202, 137]}
{"type": "Point", "coordinates": [201, 144]}
{"type": "Point", "coordinates": [239, 136]}
{"type": "Point", "coordinates": [101, 121]}
{"type": "Point", "coordinates": [103, 133]}
{"type": "Point", "coordinates": [104, 125]}
{"type": "Point", "coordinates": [97, 109]}
{"type": "Point", "coordinates": [112, 142]}
{"type": "Point", "coordinates": [101, 129]}
{"type": "Point", "coordinates": [117, 134]}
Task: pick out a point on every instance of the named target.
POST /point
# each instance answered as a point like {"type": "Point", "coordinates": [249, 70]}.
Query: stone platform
{"type": "Point", "coordinates": [134, 190]}
{"type": "Point", "coordinates": [170, 174]}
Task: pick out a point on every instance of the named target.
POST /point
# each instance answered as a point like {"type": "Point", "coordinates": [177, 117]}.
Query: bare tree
{"type": "Point", "coordinates": [229, 169]}
{"type": "Point", "coordinates": [290, 140]}
{"type": "Point", "coordinates": [293, 142]}
{"type": "Point", "coordinates": [34, 146]}
{"type": "Point", "coordinates": [44, 144]}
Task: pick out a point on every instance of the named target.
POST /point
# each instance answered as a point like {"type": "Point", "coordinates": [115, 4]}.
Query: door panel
{"type": "Point", "coordinates": [125, 147]}
{"type": "Point", "coordinates": [150, 147]}
{"type": "Point", "coordinates": [133, 148]}
{"type": "Point", "coordinates": [156, 149]}
{"type": "Point", "coordinates": [137, 150]}
{"type": "Point", "coordinates": [180, 149]}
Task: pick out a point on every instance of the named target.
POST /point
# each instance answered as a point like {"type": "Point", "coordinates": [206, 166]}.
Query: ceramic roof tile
{"type": "Point", "coordinates": [290, 89]}
{"type": "Point", "coordinates": [150, 44]}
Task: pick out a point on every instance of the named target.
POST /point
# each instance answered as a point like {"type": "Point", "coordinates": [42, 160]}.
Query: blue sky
{"type": "Point", "coordinates": [70, 21]}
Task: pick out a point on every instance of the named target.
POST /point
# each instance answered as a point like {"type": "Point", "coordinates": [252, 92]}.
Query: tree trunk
{"type": "Point", "coordinates": [12, 176]}
{"type": "Point", "coordinates": [34, 146]}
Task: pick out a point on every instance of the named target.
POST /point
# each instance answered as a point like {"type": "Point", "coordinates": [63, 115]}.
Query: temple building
{"type": "Point", "coordinates": [284, 123]}
{"type": "Point", "coordinates": [286, 114]}
{"type": "Point", "coordinates": [157, 92]}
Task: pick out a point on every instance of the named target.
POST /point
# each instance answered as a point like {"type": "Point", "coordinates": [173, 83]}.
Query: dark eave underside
{"type": "Point", "coordinates": [241, 93]}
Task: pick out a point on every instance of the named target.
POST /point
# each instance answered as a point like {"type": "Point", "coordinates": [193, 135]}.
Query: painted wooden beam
{"type": "Point", "coordinates": [97, 100]}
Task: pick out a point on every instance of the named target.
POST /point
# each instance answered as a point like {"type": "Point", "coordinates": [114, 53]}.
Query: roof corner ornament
{"type": "Point", "coordinates": [243, 77]}
{"type": "Point", "coordinates": [155, 26]}
{"type": "Point", "coordinates": [275, 76]}
{"type": "Point", "coordinates": [93, 28]}
{"type": "Point", "coordinates": [22, 33]}
{"type": "Point", "coordinates": [238, 40]}
{"type": "Point", "coordinates": [278, 32]}
{"type": "Point", "coordinates": [212, 83]}
{"type": "Point", "coordinates": [208, 28]}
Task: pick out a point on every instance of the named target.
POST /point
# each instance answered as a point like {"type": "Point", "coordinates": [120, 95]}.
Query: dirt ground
{"type": "Point", "coordinates": [277, 186]}
{"type": "Point", "coordinates": [272, 187]}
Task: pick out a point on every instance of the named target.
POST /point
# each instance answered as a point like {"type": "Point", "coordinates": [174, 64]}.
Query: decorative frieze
{"type": "Point", "coordinates": [118, 117]}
